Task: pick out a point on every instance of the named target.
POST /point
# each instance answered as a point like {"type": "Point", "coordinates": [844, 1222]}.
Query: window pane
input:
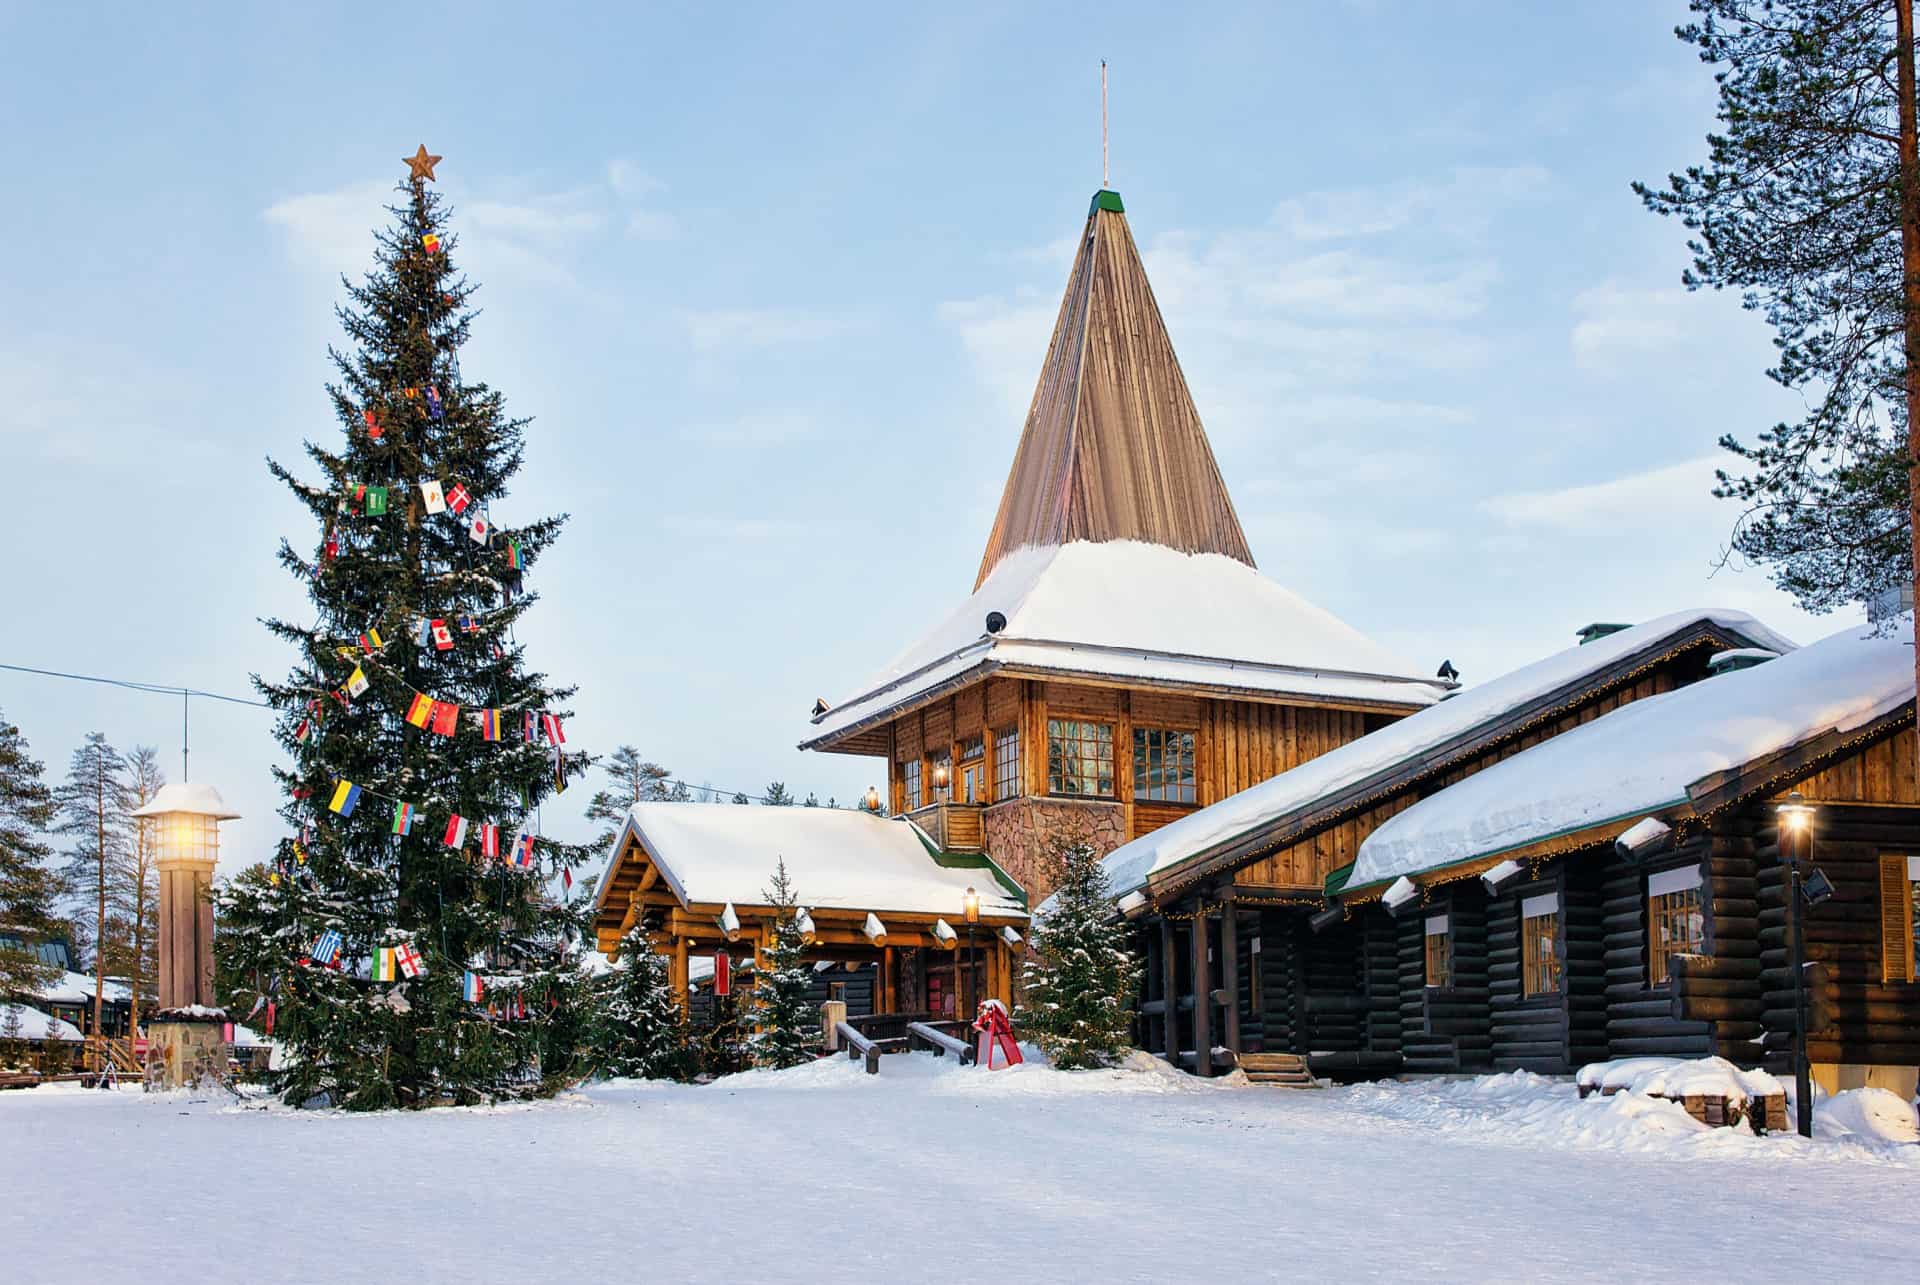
{"type": "Point", "coordinates": [1079, 758]}
{"type": "Point", "coordinates": [1006, 764]}
{"type": "Point", "coordinates": [1539, 942]}
{"type": "Point", "coordinates": [1163, 765]}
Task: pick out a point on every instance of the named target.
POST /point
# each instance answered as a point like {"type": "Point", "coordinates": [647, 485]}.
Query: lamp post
{"type": "Point", "coordinates": [188, 1024]}
{"type": "Point", "coordinates": [1796, 845]}
{"type": "Point", "coordinates": [970, 900]}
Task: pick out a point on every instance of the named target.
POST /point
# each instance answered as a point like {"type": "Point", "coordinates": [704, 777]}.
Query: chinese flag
{"type": "Point", "coordinates": [446, 717]}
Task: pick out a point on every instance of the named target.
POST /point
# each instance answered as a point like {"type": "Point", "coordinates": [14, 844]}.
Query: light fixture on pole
{"type": "Point", "coordinates": [970, 903]}
{"type": "Point", "coordinates": [1795, 839]}
{"type": "Point", "coordinates": [188, 1028]}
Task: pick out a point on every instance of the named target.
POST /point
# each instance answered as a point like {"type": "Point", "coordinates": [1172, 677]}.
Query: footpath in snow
{"type": "Point", "coordinates": [825, 1172]}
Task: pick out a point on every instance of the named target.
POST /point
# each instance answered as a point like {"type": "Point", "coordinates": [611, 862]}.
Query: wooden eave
{"type": "Point", "coordinates": [1302, 824]}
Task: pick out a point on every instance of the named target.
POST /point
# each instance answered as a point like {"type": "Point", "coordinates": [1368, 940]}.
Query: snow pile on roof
{"type": "Point", "coordinates": [77, 988]}
{"type": "Point", "coordinates": [841, 858]}
{"type": "Point", "coordinates": [1422, 733]}
{"type": "Point", "coordinates": [1145, 611]}
{"type": "Point", "coordinates": [34, 1023]}
{"type": "Point", "coordinates": [1642, 757]}
{"type": "Point", "coordinates": [188, 796]}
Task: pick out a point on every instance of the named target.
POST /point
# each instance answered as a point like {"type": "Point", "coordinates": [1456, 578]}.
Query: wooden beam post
{"type": "Point", "coordinates": [677, 975]}
{"type": "Point", "coordinates": [1230, 972]}
{"type": "Point", "coordinates": [1169, 972]}
{"type": "Point", "coordinates": [884, 1000]}
{"type": "Point", "coordinates": [1202, 994]}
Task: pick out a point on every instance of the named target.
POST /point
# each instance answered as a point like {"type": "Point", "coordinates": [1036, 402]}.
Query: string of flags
{"type": "Point", "coordinates": [520, 854]}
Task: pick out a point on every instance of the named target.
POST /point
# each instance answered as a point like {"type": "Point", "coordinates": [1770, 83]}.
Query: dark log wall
{"type": "Point", "coordinates": [1446, 1029]}
{"type": "Point", "coordinates": [1558, 1033]}
{"type": "Point", "coordinates": [1640, 1018]}
{"type": "Point", "coordinates": [1279, 1020]}
{"type": "Point", "coordinates": [1876, 1023]}
{"type": "Point", "coordinates": [1382, 978]}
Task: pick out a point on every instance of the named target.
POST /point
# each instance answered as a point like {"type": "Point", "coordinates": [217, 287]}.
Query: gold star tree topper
{"type": "Point", "coordinates": [420, 164]}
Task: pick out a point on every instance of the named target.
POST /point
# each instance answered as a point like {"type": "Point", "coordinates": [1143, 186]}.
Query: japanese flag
{"type": "Point", "coordinates": [432, 497]}
{"type": "Point", "coordinates": [478, 530]}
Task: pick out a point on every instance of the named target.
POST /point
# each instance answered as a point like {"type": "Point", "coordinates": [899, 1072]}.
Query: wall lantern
{"type": "Point", "coordinates": [971, 901]}
{"type": "Point", "coordinates": [872, 800]}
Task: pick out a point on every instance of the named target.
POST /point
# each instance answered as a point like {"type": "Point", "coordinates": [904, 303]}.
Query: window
{"type": "Point", "coordinates": [1439, 952]}
{"type": "Point", "coordinates": [1079, 758]}
{"type": "Point", "coordinates": [1006, 764]}
{"type": "Point", "coordinates": [1540, 945]}
{"type": "Point", "coordinates": [1675, 925]}
{"type": "Point", "coordinates": [972, 748]}
{"type": "Point", "coordinates": [837, 991]}
{"type": "Point", "coordinates": [1163, 765]}
{"type": "Point", "coordinates": [910, 785]}
{"type": "Point", "coordinates": [1899, 918]}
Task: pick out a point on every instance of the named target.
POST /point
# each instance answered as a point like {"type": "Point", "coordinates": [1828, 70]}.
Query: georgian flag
{"type": "Point", "coordinates": [456, 831]}
{"type": "Point", "coordinates": [409, 959]}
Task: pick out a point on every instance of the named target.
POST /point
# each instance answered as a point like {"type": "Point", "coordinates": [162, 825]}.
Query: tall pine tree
{"type": "Point", "coordinates": [28, 886]}
{"type": "Point", "coordinates": [789, 1029]}
{"type": "Point", "coordinates": [94, 804]}
{"type": "Point", "coordinates": [408, 687]}
{"type": "Point", "coordinates": [630, 780]}
{"type": "Point", "coordinates": [1081, 987]}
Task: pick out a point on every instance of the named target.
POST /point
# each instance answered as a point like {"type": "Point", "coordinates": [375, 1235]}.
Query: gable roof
{"type": "Point", "coordinates": [1360, 773]}
{"type": "Point", "coordinates": [1145, 614]}
{"type": "Point", "coordinates": [1656, 755]}
{"type": "Point", "coordinates": [1113, 448]}
{"type": "Point", "coordinates": [837, 858]}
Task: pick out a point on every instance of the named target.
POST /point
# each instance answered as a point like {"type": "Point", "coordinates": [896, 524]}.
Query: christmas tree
{"type": "Point", "coordinates": [406, 935]}
{"type": "Point", "coordinates": [788, 1028]}
{"type": "Point", "coordinates": [1080, 989]}
{"type": "Point", "coordinates": [641, 1031]}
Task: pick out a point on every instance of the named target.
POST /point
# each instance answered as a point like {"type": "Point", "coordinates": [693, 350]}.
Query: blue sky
{"type": "Point", "coordinates": [775, 285]}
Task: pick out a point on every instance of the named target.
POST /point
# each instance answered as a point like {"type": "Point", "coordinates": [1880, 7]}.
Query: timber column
{"type": "Point", "coordinates": [188, 1032]}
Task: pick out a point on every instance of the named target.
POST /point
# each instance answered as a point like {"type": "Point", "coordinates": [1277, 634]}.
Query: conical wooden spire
{"type": "Point", "coordinates": [1113, 448]}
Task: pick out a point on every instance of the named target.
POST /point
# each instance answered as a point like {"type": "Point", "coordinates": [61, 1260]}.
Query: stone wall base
{"type": "Point", "coordinates": [1023, 834]}
{"type": "Point", "coordinates": [187, 1054]}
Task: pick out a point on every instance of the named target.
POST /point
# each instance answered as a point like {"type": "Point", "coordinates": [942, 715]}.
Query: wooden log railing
{"type": "Point", "coordinates": [919, 1034]}
{"type": "Point", "coordinates": [859, 1046]}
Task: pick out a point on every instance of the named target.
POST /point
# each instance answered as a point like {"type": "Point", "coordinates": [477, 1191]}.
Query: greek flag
{"type": "Point", "coordinates": [327, 949]}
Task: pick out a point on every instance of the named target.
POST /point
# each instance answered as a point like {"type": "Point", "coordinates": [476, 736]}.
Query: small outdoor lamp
{"type": "Point", "coordinates": [1796, 847]}
{"type": "Point", "coordinates": [873, 799]}
{"type": "Point", "coordinates": [971, 900]}
{"type": "Point", "coordinates": [940, 777]}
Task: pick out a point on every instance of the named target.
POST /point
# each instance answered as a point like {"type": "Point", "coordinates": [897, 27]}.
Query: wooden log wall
{"type": "Point", "coordinates": [1640, 1019]}
{"type": "Point", "coordinates": [1279, 1020]}
{"type": "Point", "coordinates": [1446, 1029]}
{"type": "Point", "coordinates": [1333, 995]}
{"type": "Point", "coordinates": [1250, 945]}
{"type": "Point", "coordinates": [1558, 1033]}
{"type": "Point", "coordinates": [1875, 1023]}
{"type": "Point", "coordinates": [1382, 979]}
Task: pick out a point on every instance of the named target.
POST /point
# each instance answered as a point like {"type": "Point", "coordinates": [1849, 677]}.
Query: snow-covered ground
{"type": "Point", "coordinates": [823, 1172]}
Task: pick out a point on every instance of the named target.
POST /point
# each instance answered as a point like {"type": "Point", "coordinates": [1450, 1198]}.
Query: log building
{"type": "Point", "coordinates": [1120, 664]}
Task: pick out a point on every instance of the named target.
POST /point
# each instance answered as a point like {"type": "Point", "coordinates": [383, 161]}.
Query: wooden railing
{"type": "Point", "coordinates": [101, 1050]}
{"type": "Point", "coordinates": [953, 827]}
{"type": "Point", "coordinates": [859, 1046]}
{"type": "Point", "coordinates": [922, 1035]}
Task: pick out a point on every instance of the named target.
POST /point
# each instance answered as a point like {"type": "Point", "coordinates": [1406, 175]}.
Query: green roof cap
{"type": "Point", "coordinates": [1107, 199]}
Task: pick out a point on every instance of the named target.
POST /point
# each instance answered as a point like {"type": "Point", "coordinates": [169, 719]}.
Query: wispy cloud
{"type": "Point", "coordinates": [1623, 500]}
{"type": "Point", "coordinates": [713, 330]}
{"type": "Point", "coordinates": [1619, 325]}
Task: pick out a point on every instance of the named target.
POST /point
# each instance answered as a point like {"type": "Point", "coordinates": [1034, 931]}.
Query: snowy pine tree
{"type": "Point", "coordinates": [640, 1032]}
{"type": "Point", "coordinates": [631, 779]}
{"type": "Point", "coordinates": [1080, 989]}
{"type": "Point", "coordinates": [418, 737]}
{"type": "Point", "coordinates": [788, 1027]}
{"type": "Point", "coordinates": [29, 888]}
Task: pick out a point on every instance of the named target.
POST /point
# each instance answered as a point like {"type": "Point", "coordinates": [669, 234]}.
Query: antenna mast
{"type": "Point", "coordinates": [1106, 173]}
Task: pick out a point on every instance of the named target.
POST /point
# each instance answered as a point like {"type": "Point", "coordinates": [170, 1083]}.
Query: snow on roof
{"type": "Point", "coordinates": [245, 1037]}
{"type": "Point", "coordinates": [1144, 611]}
{"type": "Point", "coordinates": [34, 1023]}
{"type": "Point", "coordinates": [1422, 733]}
{"type": "Point", "coordinates": [841, 858]}
{"type": "Point", "coordinates": [182, 796]}
{"type": "Point", "coordinates": [1643, 757]}
{"type": "Point", "coordinates": [77, 988]}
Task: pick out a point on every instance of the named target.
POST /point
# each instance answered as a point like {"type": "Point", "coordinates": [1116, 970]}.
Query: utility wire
{"type": "Point", "coordinates": [163, 689]}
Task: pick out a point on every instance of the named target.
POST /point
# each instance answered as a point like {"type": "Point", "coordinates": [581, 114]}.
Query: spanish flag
{"type": "Point", "coordinates": [431, 243]}
{"type": "Point", "coordinates": [420, 710]}
{"type": "Point", "coordinates": [346, 797]}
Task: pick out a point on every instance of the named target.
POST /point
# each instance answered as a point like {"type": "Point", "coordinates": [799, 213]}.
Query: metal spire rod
{"type": "Point", "coordinates": [1106, 173]}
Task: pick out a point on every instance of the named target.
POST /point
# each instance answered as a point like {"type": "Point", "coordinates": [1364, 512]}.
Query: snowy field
{"type": "Point", "coordinates": [928, 1169]}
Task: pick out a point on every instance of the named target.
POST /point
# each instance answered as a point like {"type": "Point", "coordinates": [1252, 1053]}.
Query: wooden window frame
{"type": "Point", "coordinates": [1149, 758]}
{"type": "Point", "coordinates": [1543, 975]}
{"type": "Point", "coordinates": [1080, 734]}
{"type": "Point", "coordinates": [910, 785]}
{"type": "Point", "coordinates": [1682, 906]}
{"type": "Point", "coordinates": [1438, 962]}
{"type": "Point", "coordinates": [1899, 919]}
{"type": "Point", "coordinates": [1006, 783]}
